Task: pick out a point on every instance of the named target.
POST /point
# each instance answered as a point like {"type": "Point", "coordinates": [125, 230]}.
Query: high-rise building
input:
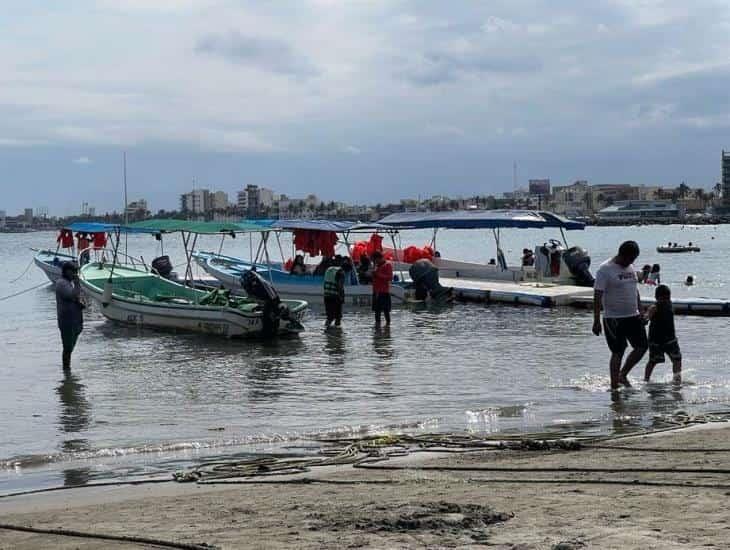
{"type": "Point", "coordinates": [726, 179]}
{"type": "Point", "coordinates": [3, 217]}
{"type": "Point", "coordinates": [242, 202]}
{"type": "Point", "coordinates": [219, 201]}
{"type": "Point", "coordinates": [198, 201]}
{"type": "Point", "coordinates": [539, 188]}
{"type": "Point", "coordinates": [29, 216]}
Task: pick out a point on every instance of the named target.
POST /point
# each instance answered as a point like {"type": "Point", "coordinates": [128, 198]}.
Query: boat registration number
{"type": "Point", "coordinates": [213, 328]}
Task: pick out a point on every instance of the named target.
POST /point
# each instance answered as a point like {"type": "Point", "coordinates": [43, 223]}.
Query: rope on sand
{"type": "Point", "coordinates": [103, 536]}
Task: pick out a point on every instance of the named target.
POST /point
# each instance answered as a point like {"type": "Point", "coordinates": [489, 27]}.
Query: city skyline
{"type": "Point", "coordinates": [359, 102]}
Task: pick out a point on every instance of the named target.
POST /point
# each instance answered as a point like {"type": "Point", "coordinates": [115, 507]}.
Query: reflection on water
{"type": "Point", "coordinates": [75, 411]}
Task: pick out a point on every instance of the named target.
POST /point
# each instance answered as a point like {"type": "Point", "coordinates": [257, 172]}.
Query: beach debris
{"type": "Point", "coordinates": [440, 517]}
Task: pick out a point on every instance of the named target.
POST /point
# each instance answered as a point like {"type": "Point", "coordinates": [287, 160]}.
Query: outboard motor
{"type": "Point", "coordinates": [579, 262]}
{"type": "Point", "coordinates": [425, 277]}
{"type": "Point", "coordinates": [163, 267]}
{"type": "Point", "coordinates": [263, 291]}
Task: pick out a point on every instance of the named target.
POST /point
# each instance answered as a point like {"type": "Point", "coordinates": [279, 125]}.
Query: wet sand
{"type": "Point", "coordinates": [411, 508]}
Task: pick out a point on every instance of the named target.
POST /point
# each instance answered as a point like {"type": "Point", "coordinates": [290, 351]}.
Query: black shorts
{"type": "Point", "coordinates": [381, 302]}
{"type": "Point", "coordinates": [658, 349]}
{"type": "Point", "coordinates": [333, 308]}
{"type": "Point", "coordinates": [623, 331]}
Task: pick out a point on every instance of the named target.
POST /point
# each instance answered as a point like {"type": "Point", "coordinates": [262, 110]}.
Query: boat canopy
{"type": "Point", "coordinates": [334, 226]}
{"type": "Point", "coordinates": [91, 227]}
{"type": "Point", "coordinates": [480, 219]}
{"type": "Point", "coordinates": [198, 228]}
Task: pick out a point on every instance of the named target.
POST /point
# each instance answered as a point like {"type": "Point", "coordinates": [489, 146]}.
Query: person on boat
{"type": "Point", "coordinates": [349, 270]}
{"type": "Point", "coordinates": [492, 261]}
{"type": "Point", "coordinates": [69, 310]}
{"type": "Point", "coordinates": [84, 243]}
{"type": "Point", "coordinates": [616, 292]}
{"type": "Point", "coordinates": [382, 277]}
{"type": "Point", "coordinates": [334, 295]}
{"type": "Point", "coordinates": [365, 270]}
{"type": "Point", "coordinates": [654, 278]}
{"type": "Point", "coordinates": [298, 267]}
{"type": "Point", "coordinates": [323, 266]}
{"type": "Point", "coordinates": [643, 275]}
{"type": "Point", "coordinates": [528, 257]}
{"type": "Point", "coordinates": [437, 254]}
{"type": "Point", "coordinates": [689, 281]}
{"type": "Point", "coordinates": [662, 336]}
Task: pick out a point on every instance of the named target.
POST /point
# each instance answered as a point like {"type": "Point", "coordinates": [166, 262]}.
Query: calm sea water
{"type": "Point", "coordinates": [144, 402]}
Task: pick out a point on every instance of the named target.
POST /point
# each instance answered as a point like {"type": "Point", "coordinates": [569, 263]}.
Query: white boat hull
{"type": "Point", "coordinates": [356, 296]}
{"type": "Point", "coordinates": [44, 260]}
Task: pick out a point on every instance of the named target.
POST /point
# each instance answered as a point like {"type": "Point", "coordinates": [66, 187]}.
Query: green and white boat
{"type": "Point", "coordinates": [137, 297]}
{"type": "Point", "coordinates": [129, 292]}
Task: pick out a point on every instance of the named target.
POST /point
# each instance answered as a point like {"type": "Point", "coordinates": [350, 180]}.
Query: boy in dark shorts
{"type": "Point", "coordinates": [382, 277]}
{"type": "Point", "coordinates": [662, 337]}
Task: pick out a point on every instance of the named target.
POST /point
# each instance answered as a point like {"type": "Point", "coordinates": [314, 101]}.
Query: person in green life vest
{"type": "Point", "coordinates": [334, 295]}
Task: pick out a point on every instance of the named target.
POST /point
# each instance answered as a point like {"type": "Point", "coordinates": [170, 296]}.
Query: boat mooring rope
{"type": "Point", "coordinates": [104, 536]}
{"type": "Point", "coordinates": [24, 271]}
{"type": "Point", "coordinates": [45, 283]}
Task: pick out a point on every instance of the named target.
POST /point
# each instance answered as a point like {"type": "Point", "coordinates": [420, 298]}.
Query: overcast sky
{"type": "Point", "coordinates": [367, 100]}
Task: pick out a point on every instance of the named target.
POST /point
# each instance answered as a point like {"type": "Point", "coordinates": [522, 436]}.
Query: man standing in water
{"type": "Point", "coordinates": [69, 310]}
{"type": "Point", "coordinates": [382, 277]}
{"type": "Point", "coordinates": [617, 291]}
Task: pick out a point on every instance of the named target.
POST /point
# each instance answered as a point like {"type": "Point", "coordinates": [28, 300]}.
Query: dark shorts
{"type": "Point", "coordinates": [623, 331]}
{"type": "Point", "coordinates": [381, 302]}
{"type": "Point", "coordinates": [657, 350]}
{"type": "Point", "coordinates": [69, 336]}
{"type": "Point", "coordinates": [333, 308]}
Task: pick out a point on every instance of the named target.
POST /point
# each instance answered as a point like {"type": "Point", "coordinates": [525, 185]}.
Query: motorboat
{"type": "Point", "coordinates": [134, 296]}
{"type": "Point", "coordinates": [128, 292]}
{"type": "Point", "coordinates": [50, 262]}
{"type": "Point", "coordinates": [553, 262]}
{"type": "Point", "coordinates": [308, 285]}
{"type": "Point", "coordinates": [677, 249]}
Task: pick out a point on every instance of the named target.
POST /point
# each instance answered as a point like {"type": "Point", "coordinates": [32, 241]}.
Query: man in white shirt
{"type": "Point", "coordinates": [617, 292]}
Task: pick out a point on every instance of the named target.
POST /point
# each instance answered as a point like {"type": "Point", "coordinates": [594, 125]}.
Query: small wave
{"type": "Point", "coordinates": [39, 460]}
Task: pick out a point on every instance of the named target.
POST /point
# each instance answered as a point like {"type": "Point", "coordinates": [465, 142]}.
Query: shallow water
{"type": "Point", "coordinates": [144, 402]}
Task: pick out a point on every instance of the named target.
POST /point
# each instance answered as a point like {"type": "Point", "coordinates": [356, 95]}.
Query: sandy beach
{"type": "Point", "coordinates": [349, 507]}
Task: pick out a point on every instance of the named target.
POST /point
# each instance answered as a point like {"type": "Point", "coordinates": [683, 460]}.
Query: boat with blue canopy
{"type": "Point", "coordinates": [69, 243]}
{"type": "Point", "coordinates": [552, 262]}
{"type": "Point", "coordinates": [317, 240]}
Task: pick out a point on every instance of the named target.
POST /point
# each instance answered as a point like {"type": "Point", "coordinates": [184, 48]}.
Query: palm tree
{"type": "Point", "coordinates": [683, 190]}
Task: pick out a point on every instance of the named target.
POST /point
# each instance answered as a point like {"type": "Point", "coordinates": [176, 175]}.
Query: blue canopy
{"type": "Point", "coordinates": [480, 219]}
{"type": "Point", "coordinates": [92, 227]}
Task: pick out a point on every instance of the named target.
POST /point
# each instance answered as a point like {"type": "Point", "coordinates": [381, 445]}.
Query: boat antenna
{"type": "Point", "coordinates": [126, 202]}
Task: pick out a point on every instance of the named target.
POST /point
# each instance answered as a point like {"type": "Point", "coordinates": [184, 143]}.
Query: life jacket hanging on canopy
{"type": "Point", "coordinates": [99, 240]}
{"type": "Point", "coordinates": [65, 238]}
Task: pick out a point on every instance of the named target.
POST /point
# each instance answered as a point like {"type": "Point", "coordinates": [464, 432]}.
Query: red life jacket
{"type": "Point", "coordinates": [65, 238]}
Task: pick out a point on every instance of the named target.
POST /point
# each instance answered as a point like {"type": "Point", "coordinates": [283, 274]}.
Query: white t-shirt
{"type": "Point", "coordinates": [619, 288]}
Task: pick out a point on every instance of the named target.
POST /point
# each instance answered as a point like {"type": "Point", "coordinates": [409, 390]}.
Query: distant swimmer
{"type": "Point", "coordinates": [689, 281]}
{"type": "Point", "coordinates": [616, 291]}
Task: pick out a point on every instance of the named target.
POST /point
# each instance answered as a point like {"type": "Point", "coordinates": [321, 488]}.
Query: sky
{"type": "Point", "coordinates": [358, 101]}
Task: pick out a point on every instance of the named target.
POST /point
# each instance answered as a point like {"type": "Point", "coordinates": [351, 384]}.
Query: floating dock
{"type": "Point", "coordinates": [534, 294]}
{"type": "Point", "coordinates": [552, 295]}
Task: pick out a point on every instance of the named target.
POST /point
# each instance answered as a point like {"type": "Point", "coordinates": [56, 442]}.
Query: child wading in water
{"type": "Point", "coordinates": [662, 338]}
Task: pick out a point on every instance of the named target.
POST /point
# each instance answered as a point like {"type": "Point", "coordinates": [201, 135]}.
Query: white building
{"type": "Point", "coordinates": [266, 197]}
{"type": "Point", "coordinates": [242, 202]}
{"type": "Point", "coordinates": [219, 201]}
{"type": "Point", "coordinates": [198, 201]}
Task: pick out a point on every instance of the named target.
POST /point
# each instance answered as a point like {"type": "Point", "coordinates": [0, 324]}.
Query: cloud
{"type": "Point", "coordinates": [82, 160]}
{"type": "Point", "coordinates": [351, 149]}
{"type": "Point", "coordinates": [19, 142]}
{"type": "Point", "coordinates": [266, 54]}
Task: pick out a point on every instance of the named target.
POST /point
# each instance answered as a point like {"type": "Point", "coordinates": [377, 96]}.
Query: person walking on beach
{"type": "Point", "coordinates": [616, 290]}
{"type": "Point", "coordinates": [382, 277]}
{"type": "Point", "coordinates": [662, 336]}
{"type": "Point", "coordinates": [69, 310]}
{"type": "Point", "coordinates": [334, 295]}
